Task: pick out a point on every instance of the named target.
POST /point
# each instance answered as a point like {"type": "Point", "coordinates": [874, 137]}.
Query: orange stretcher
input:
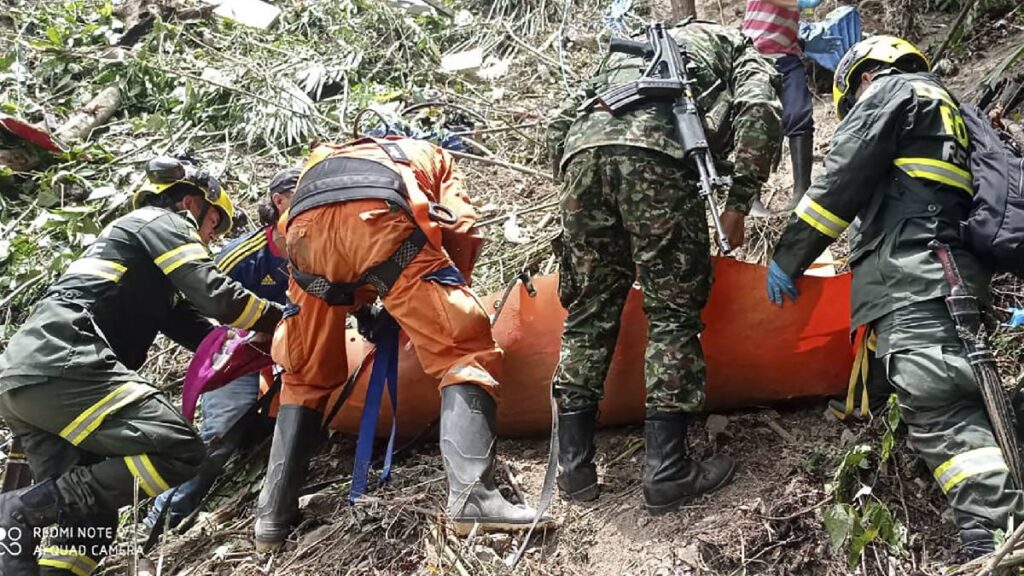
{"type": "Point", "coordinates": [756, 354]}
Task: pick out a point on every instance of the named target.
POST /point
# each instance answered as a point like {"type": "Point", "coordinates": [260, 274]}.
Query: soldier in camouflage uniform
{"type": "Point", "coordinates": [92, 427]}
{"type": "Point", "coordinates": [631, 210]}
{"type": "Point", "coordinates": [897, 175]}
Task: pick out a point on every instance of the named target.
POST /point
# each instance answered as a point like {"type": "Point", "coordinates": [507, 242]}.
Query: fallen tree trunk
{"type": "Point", "coordinates": [81, 124]}
{"type": "Point", "coordinates": [91, 116]}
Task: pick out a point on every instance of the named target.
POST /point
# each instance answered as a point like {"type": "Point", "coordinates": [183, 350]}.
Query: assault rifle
{"type": "Point", "coordinates": [666, 79]}
{"type": "Point", "coordinates": [963, 307]}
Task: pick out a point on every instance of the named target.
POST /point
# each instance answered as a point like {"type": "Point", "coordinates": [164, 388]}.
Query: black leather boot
{"type": "Point", "coordinates": [670, 476]}
{"type": "Point", "coordinates": [296, 437]}
{"type": "Point", "coordinates": [577, 475]}
{"type": "Point", "coordinates": [21, 512]}
{"type": "Point", "coordinates": [801, 153]}
{"type": "Point", "coordinates": [975, 543]}
{"type": "Point", "coordinates": [468, 416]}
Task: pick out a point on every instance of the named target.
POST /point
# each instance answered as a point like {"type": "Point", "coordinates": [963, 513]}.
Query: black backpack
{"type": "Point", "coordinates": [994, 230]}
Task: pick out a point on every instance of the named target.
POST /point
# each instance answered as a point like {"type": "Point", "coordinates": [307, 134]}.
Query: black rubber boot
{"type": "Point", "coordinates": [21, 512]}
{"type": "Point", "coordinates": [468, 415]}
{"type": "Point", "coordinates": [670, 476]}
{"type": "Point", "coordinates": [975, 543]}
{"type": "Point", "coordinates": [577, 475]}
{"type": "Point", "coordinates": [801, 152]}
{"type": "Point", "coordinates": [296, 436]}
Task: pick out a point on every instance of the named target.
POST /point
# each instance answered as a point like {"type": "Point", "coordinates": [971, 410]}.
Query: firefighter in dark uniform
{"type": "Point", "coordinates": [93, 428]}
{"type": "Point", "coordinates": [899, 165]}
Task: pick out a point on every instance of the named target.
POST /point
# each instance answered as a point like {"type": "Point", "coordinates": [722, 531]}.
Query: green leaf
{"type": "Point", "coordinates": [839, 520]}
{"type": "Point", "coordinates": [888, 441]}
{"type": "Point", "coordinates": [894, 418]}
{"type": "Point", "coordinates": [857, 545]}
{"type": "Point", "coordinates": [54, 35]}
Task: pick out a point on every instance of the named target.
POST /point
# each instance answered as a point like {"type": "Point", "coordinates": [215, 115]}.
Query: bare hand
{"type": "Point", "coordinates": [733, 227]}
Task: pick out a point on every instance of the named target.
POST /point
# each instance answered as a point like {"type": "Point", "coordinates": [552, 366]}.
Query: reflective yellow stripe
{"type": "Point", "coordinates": [933, 93]}
{"type": "Point", "coordinates": [816, 216]}
{"type": "Point", "coordinates": [142, 468]}
{"type": "Point", "coordinates": [80, 428]}
{"type": "Point", "coordinates": [937, 171]}
{"type": "Point", "coordinates": [173, 259]}
{"type": "Point", "coordinates": [968, 464]}
{"type": "Point", "coordinates": [250, 314]}
{"type": "Point", "coordinates": [67, 559]}
{"type": "Point", "coordinates": [106, 269]}
{"type": "Point", "coordinates": [240, 252]}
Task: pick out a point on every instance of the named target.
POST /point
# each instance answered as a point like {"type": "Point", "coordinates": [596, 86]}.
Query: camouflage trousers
{"type": "Point", "coordinates": [629, 214]}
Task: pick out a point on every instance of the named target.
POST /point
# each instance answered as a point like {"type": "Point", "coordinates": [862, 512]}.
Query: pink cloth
{"type": "Point", "coordinates": [222, 357]}
{"type": "Point", "coordinates": [773, 29]}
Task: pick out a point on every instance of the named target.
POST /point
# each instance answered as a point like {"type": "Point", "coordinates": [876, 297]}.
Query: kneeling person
{"type": "Point", "coordinates": [91, 426]}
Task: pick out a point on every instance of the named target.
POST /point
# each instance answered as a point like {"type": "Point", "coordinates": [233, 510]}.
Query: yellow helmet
{"type": "Point", "coordinates": [164, 172]}
{"type": "Point", "coordinates": [880, 49]}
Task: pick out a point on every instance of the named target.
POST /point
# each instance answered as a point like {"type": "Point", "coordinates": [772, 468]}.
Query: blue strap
{"type": "Point", "coordinates": [384, 372]}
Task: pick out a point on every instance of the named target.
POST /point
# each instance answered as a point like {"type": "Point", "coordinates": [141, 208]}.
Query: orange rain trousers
{"type": "Point", "coordinates": [447, 325]}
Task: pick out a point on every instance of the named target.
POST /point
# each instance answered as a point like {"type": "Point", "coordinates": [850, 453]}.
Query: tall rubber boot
{"type": "Point", "coordinates": [296, 436]}
{"type": "Point", "coordinates": [670, 476]}
{"type": "Point", "coordinates": [801, 153]}
{"type": "Point", "coordinates": [577, 475]}
{"type": "Point", "coordinates": [468, 415]}
{"type": "Point", "coordinates": [21, 512]}
{"type": "Point", "coordinates": [975, 543]}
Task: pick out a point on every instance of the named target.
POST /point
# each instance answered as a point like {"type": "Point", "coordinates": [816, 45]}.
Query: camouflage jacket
{"type": "Point", "coordinates": [737, 91]}
{"type": "Point", "coordinates": [146, 273]}
{"type": "Point", "coordinates": [897, 175]}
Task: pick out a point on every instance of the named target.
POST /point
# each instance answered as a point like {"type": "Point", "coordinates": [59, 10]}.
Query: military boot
{"type": "Point", "coordinates": [577, 475]}
{"type": "Point", "coordinates": [21, 513]}
{"type": "Point", "coordinates": [296, 436]}
{"type": "Point", "coordinates": [975, 543]}
{"type": "Point", "coordinates": [801, 153]}
{"type": "Point", "coordinates": [468, 415]}
{"type": "Point", "coordinates": [670, 476]}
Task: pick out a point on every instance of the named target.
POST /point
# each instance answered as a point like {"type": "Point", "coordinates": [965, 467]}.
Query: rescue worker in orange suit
{"type": "Point", "coordinates": [388, 218]}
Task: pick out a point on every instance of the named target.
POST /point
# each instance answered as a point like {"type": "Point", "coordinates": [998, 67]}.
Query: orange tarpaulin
{"type": "Point", "coordinates": [756, 353]}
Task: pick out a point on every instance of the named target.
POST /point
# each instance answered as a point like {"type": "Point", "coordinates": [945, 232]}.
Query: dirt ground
{"type": "Point", "coordinates": [768, 522]}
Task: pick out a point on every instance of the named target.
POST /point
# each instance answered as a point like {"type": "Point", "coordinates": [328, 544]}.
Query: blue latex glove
{"type": "Point", "coordinates": [805, 4]}
{"type": "Point", "coordinates": [779, 284]}
{"type": "Point", "coordinates": [824, 44]}
{"type": "Point", "coordinates": [1017, 320]}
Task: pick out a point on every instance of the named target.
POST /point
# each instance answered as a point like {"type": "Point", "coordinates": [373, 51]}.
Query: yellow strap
{"type": "Point", "coordinates": [67, 559]}
{"type": "Point", "coordinates": [141, 467]}
{"type": "Point", "coordinates": [967, 464]}
{"type": "Point", "coordinates": [252, 312]}
{"type": "Point", "coordinates": [106, 269]}
{"type": "Point", "coordinates": [819, 218]}
{"type": "Point", "coordinates": [86, 422]}
{"type": "Point", "coordinates": [173, 259]}
{"type": "Point", "coordinates": [937, 171]}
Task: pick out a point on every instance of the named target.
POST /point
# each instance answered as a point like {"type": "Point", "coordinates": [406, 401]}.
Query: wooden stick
{"type": "Point", "coordinates": [502, 163]}
{"type": "Point", "coordinates": [952, 31]}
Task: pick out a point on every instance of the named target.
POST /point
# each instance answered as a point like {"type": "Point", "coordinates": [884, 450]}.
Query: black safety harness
{"type": "Point", "coordinates": [344, 179]}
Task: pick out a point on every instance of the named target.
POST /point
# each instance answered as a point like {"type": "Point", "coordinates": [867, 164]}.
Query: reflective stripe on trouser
{"type": "Point", "coordinates": [96, 476]}
{"type": "Point", "coordinates": [630, 213]}
{"type": "Point", "coordinates": [447, 325]}
{"type": "Point", "coordinates": [67, 559]}
{"type": "Point", "coordinates": [946, 419]}
{"type": "Point", "coordinates": [93, 416]}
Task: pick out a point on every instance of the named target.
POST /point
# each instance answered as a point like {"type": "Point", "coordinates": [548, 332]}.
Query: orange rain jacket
{"type": "Point", "coordinates": [447, 324]}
